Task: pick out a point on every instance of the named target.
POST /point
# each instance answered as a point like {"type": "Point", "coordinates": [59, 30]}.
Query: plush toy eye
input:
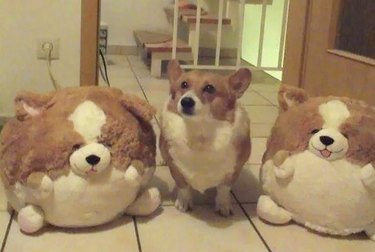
{"type": "Point", "coordinates": [184, 85]}
{"type": "Point", "coordinates": [314, 131]}
{"type": "Point", "coordinates": [209, 89]}
{"type": "Point", "coordinates": [76, 147]}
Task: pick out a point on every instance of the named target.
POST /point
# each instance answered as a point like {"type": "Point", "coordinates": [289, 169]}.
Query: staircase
{"type": "Point", "coordinates": [159, 47]}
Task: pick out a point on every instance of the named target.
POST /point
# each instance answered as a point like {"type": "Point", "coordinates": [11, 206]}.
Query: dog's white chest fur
{"type": "Point", "coordinates": [203, 150]}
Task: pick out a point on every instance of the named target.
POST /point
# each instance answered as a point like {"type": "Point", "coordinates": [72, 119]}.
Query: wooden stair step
{"type": "Point", "coordinates": [189, 17]}
{"type": "Point", "coordinates": [159, 42]}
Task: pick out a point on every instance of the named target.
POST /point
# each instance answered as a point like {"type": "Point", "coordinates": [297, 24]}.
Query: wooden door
{"type": "Point", "coordinates": [90, 18]}
{"type": "Point", "coordinates": [330, 48]}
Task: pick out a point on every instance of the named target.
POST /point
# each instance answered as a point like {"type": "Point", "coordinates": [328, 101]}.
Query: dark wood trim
{"type": "Point", "coordinates": [90, 18]}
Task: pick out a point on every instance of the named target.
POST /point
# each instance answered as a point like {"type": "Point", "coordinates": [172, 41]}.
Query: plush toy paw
{"type": "Point", "coordinates": [145, 204]}
{"type": "Point", "coordinates": [41, 185]}
{"type": "Point", "coordinates": [368, 176]}
{"type": "Point", "coordinates": [30, 219]}
{"type": "Point", "coordinates": [184, 201]}
{"type": "Point", "coordinates": [268, 210]}
{"type": "Point", "coordinates": [132, 176]}
{"type": "Point", "coordinates": [282, 168]}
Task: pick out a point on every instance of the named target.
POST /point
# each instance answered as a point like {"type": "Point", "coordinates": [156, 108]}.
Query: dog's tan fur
{"type": "Point", "coordinates": [44, 141]}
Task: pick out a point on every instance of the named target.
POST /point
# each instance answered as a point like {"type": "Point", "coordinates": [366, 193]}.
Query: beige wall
{"type": "Point", "coordinates": [123, 17]}
{"type": "Point", "coordinates": [21, 24]}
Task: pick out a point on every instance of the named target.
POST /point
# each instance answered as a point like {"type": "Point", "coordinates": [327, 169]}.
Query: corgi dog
{"type": "Point", "coordinates": [205, 133]}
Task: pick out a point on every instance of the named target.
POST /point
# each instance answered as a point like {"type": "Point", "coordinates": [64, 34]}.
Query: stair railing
{"type": "Point", "coordinates": [241, 13]}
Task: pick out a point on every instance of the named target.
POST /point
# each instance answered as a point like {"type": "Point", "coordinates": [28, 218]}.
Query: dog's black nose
{"type": "Point", "coordinates": [326, 140]}
{"type": "Point", "coordinates": [187, 102]}
{"type": "Point", "coordinates": [93, 159]}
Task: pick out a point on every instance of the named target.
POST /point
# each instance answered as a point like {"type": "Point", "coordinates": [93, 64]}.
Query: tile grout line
{"type": "Point", "coordinates": [136, 233]}
{"type": "Point", "coordinates": [140, 86]}
{"type": "Point", "coordinates": [252, 223]}
{"type": "Point", "coordinates": [259, 93]}
{"type": "Point", "coordinates": [7, 231]}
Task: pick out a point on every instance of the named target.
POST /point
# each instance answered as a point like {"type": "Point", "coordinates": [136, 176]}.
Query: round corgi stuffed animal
{"type": "Point", "coordinates": [319, 166]}
{"type": "Point", "coordinates": [78, 157]}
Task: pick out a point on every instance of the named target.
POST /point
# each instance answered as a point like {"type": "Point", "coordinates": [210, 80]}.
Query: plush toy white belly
{"type": "Point", "coordinates": [327, 196]}
{"type": "Point", "coordinates": [77, 201]}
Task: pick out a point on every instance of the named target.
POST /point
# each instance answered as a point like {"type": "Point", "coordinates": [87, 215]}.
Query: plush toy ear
{"type": "Point", "coordinates": [239, 81]}
{"type": "Point", "coordinates": [28, 104]}
{"type": "Point", "coordinates": [174, 71]}
{"type": "Point", "coordinates": [291, 96]}
{"type": "Point", "coordinates": [138, 107]}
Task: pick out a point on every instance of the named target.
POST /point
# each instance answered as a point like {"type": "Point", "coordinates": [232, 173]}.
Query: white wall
{"type": "Point", "coordinates": [125, 16]}
{"type": "Point", "coordinates": [21, 24]}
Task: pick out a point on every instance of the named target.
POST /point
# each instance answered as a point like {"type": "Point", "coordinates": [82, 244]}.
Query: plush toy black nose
{"type": "Point", "coordinates": [187, 102]}
{"type": "Point", "coordinates": [326, 140]}
{"type": "Point", "coordinates": [93, 159]}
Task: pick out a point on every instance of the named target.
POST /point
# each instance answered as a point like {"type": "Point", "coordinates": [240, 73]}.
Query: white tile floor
{"type": "Point", "coordinates": [200, 230]}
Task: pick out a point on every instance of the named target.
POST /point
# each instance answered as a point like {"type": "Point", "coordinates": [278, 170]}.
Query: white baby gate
{"type": "Point", "coordinates": [241, 12]}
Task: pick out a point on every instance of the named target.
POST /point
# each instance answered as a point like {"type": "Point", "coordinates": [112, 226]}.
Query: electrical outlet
{"type": "Point", "coordinates": [42, 48]}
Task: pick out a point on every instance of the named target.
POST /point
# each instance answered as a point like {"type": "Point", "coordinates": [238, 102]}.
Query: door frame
{"type": "Point", "coordinates": [90, 21]}
{"type": "Point", "coordinates": [295, 42]}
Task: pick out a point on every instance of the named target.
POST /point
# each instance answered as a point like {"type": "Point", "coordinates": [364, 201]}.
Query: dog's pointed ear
{"type": "Point", "coordinates": [138, 107]}
{"type": "Point", "coordinates": [291, 96]}
{"type": "Point", "coordinates": [174, 71]}
{"type": "Point", "coordinates": [28, 104]}
{"type": "Point", "coordinates": [239, 81]}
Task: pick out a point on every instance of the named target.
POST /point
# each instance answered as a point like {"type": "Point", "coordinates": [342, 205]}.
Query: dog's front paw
{"type": "Point", "coordinates": [184, 201]}
{"type": "Point", "coordinates": [368, 176]}
{"type": "Point", "coordinates": [224, 209]}
{"type": "Point", "coordinates": [222, 202]}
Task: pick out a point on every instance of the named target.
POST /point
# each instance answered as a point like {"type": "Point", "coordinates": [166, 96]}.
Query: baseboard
{"type": "Point", "coordinates": [122, 50]}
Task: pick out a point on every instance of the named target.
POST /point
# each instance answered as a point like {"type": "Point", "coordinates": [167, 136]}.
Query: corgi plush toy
{"type": "Point", "coordinates": [78, 157]}
{"type": "Point", "coordinates": [319, 166]}
{"type": "Point", "coordinates": [205, 135]}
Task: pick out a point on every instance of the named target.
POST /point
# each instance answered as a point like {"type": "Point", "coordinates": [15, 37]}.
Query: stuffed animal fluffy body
{"type": "Point", "coordinates": [78, 157]}
{"type": "Point", "coordinates": [319, 167]}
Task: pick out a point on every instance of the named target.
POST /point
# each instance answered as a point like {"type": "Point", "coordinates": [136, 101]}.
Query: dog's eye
{"type": "Point", "coordinates": [209, 89]}
{"type": "Point", "coordinates": [314, 131]}
{"type": "Point", "coordinates": [184, 85]}
{"type": "Point", "coordinates": [76, 147]}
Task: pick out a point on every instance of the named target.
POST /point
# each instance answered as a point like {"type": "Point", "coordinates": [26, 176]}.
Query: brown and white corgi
{"type": "Point", "coordinates": [205, 133]}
